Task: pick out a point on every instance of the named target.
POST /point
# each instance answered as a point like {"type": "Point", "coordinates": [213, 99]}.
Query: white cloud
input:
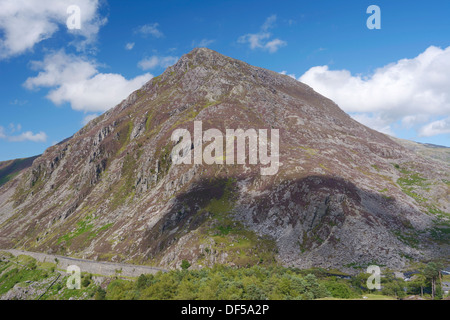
{"type": "Point", "coordinates": [290, 75]}
{"type": "Point", "coordinates": [76, 80]}
{"type": "Point", "coordinates": [203, 43]}
{"type": "Point", "coordinates": [273, 45]}
{"type": "Point", "coordinates": [150, 29]}
{"type": "Point", "coordinates": [29, 136]}
{"type": "Point", "coordinates": [376, 122]}
{"type": "Point", "coordinates": [254, 39]}
{"type": "Point", "coordinates": [436, 127]}
{"type": "Point", "coordinates": [411, 91]}
{"type": "Point", "coordinates": [269, 23]}
{"type": "Point", "coordinates": [24, 23]}
{"type": "Point", "coordinates": [25, 136]}
{"type": "Point", "coordinates": [157, 61]}
{"type": "Point", "coordinates": [15, 128]}
{"type": "Point", "coordinates": [129, 46]}
{"type": "Point", "coordinates": [88, 118]}
{"type": "Point", "coordinates": [261, 40]}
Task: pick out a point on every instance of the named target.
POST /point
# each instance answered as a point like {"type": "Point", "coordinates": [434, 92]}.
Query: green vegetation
{"type": "Point", "coordinates": [124, 136]}
{"type": "Point", "coordinates": [165, 160]}
{"type": "Point", "coordinates": [83, 226]}
{"type": "Point", "coordinates": [409, 238]}
{"type": "Point", "coordinates": [410, 181]}
{"type": "Point", "coordinates": [185, 264]}
{"type": "Point", "coordinates": [222, 234]}
{"type": "Point", "coordinates": [222, 282]}
{"type": "Point", "coordinates": [431, 273]}
{"type": "Point", "coordinates": [44, 281]}
{"type": "Point", "coordinates": [191, 113]}
{"type": "Point", "coordinates": [392, 286]}
{"type": "Point", "coordinates": [8, 177]}
{"type": "Point", "coordinates": [13, 168]}
{"type": "Point", "coordinates": [363, 266]}
{"type": "Point", "coordinates": [340, 289]}
{"type": "Point", "coordinates": [441, 234]}
{"type": "Point", "coordinates": [125, 188]}
{"type": "Point", "coordinates": [40, 279]}
{"type": "Point", "coordinates": [273, 283]}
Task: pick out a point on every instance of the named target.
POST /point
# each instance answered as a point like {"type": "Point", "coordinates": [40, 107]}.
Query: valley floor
{"type": "Point", "coordinates": [36, 276]}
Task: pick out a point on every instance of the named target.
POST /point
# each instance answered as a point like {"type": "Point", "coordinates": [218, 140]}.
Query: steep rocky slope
{"type": "Point", "coordinates": [344, 195]}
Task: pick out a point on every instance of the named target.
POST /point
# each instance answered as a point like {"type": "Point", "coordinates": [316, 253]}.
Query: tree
{"type": "Point", "coordinates": [432, 273]}
{"type": "Point", "coordinates": [393, 288]}
{"type": "Point", "coordinates": [339, 289]}
{"type": "Point", "coordinates": [143, 281]}
{"type": "Point", "coordinates": [417, 284]}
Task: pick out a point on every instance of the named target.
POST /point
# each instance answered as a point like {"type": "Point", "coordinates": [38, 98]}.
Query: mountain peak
{"type": "Point", "coordinates": [202, 50]}
{"type": "Point", "coordinates": [201, 56]}
{"type": "Point", "coordinates": [203, 53]}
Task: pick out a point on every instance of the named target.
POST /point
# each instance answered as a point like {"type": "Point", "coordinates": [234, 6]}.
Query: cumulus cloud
{"type": "Point", "coordinates": [76, 80]}
{"type": "Point", "coordinates": [374, 121]}
{"type": "Point", "coordinates": [411, 91]}
{"type": "Point", "coordinates": [25, 136]}
{"type": "Point", "coordinates": [150, 29]}
{"type": "Point", "coordinates": [24, 23]}
{"type": "Point", "coordinates": [262, 39]}
{"type": "Point", "coordinates": [157, 61]}
{"type": "Point", "coordinates": [436, 127]}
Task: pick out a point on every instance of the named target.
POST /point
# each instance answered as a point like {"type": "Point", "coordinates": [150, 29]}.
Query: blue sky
{"type": "Point", "coordinates": [53, 79]}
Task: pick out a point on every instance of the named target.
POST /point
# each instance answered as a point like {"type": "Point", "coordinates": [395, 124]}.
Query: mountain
{"type": "Point", "coordinates": [343, 196]}
{"type": "Point", "coordinates": [432, 151]}
{"type": "Point", "coordinates": [11, 168]}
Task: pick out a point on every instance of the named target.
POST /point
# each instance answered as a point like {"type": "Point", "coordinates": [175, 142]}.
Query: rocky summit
{"type": "Point", "coordinates": [344, 196]}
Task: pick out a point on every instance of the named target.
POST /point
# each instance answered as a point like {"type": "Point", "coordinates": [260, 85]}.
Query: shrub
{"type": "Point", "coordinates": [86, 281]}
{"type": "Point", "coordinates": [185, 264]}
{"type": "Point", "coordinates": [100, 294]}
{"type": "Point", "coordinates": [339, 290]}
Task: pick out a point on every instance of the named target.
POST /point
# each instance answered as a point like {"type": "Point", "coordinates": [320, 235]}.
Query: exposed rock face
{"type": "Point", "coordinates": [344, 195]}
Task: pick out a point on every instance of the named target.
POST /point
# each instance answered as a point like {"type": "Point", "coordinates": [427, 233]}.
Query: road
{"type": "Point", "coordinates": [90, 266]}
